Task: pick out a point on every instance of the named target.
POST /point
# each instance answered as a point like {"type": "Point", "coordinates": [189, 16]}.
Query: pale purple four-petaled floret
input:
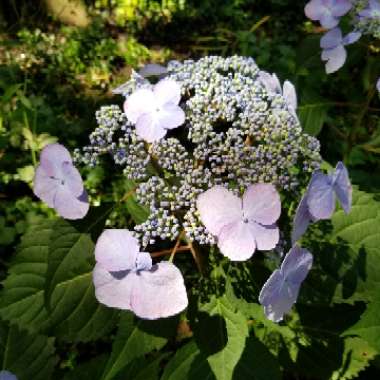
{"type": "Point", "coordinates": [58, 183]}
{"type": "Point", "coordinates": [241, 225]}
{"type": "Point", "coordinates": [280, 291]}
{"type": "Point", "coordinates": [125, 278]}
{"type": "Point", "coordinates": [319, 200]}
{"type": "Point", "coordinates": [327, 12]}
{"type": "Point", "coordinates": [333, 44]}
{"type": "Point", "coordinates": [155, 111]}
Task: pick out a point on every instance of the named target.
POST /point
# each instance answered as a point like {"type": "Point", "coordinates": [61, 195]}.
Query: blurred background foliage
{"type": "Point", "coordinates": [59, 60]}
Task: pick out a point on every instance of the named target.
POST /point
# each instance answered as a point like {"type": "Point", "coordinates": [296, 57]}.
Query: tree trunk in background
{"type": "Point", "coordinates": [71, 12]}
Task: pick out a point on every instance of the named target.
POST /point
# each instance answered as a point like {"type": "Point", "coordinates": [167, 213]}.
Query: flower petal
{"type": "Point", "coordinates": [69, 206]}
{"type": "Point", "coordinates": [302, 219]}
{"type": "Point", "coordinates": [149, 129]}
{"type": "Point", "coordinates": [276, 297]}
{"type": "Point", "coordinates": [117, 250]}
{"type": "Point", "coordinates": [331, 39]}
{"type": "Point", "coordinates": [159, 292]}
{"type": "Point", "coordinates": [266, 237]}
{"type": "Point", "coordinates": [296, 265]}
{"type": "Point", "coordinates": [6, 375]}
{"type": "Point", "coordinates": [219, 207]}
{"type": "Point", "coordinates": [351, 38]}
{"type": "Point", "coordinates": [321, 197]}
{"type": "Point", "coordinates": [45, 187]}
{"type": "Point", "coordinates": [329, 21]}
{"type": "Point", "coordinates": [336, 58]}
{"type": "Point", "coordinates": [342, 187]}
{"type": "Point", "coordinates": [140, 102]}
{"type": "Point", "coordinates": [143, 261]}
{"type": "Point", "coordinates": [72, 179]}
{"type": "Point", "coordinates": [271, 82]}
{"type": "Point", "coordinates": [236, 241]}
{"type": "Point", "coordinates": [341, 7]}
{"type": "Point", "coordinates": [112, 291]}
{"type": "Point", "coordinates": [167, 91]}
{"type": "Point", "coordinates": [314, 10]}
{"type": "Point", "coordinates": [290, 95]}
{"type": "Point", "coordinates": [261, 203]}
{"type": "Point", "coordinates": [171, 116]}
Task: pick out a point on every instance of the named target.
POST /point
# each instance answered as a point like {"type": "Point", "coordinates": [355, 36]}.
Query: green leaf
{"type": "Point", "coordinates": [90, 370]}
{"type": "Point", "coordinates": [143, 369]}
{"type": "Point", "coordinates": [368, 327]}
{"type": "Point", "coordinates": [312, 116]}
{"type": "Point", "coordinates": [28, 356]}
{"type": "Point", "coordinates": [131, 342]}
{"type": "Point", "coordinates": [257, 363]}
{"type": "Point", "coordinates": [74, 312]}
{"type": "Point", "coordinates": [70, 252]}
{"type": "Point", "coordinates": [346, 255]}
{"type": "Point", "coordinates": [358, 232]}
{"type": "Point", "coordinates": [222, 330]}
{"type": "Point", "coordinates": [188, 363]}
{"type": "Point", "coordinates": [356, 357]}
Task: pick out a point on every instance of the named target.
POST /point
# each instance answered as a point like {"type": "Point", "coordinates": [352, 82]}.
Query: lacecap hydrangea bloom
{"type": "Point", "coordinates": [237, 132]}
{"type": "Point", "coordinates": [212, 147]}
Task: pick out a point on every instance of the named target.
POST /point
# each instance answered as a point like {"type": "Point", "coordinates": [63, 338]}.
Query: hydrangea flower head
{"type": "Point", "coordinates": [156, 110]}
{"type": "Point", "coordinates": [241, 225]}
{"type": "Point", "coordinates": [327, 12]}
{"type": "Point", "coordinates": [334, 51]}
{"type": "Point", "coordinates": [58, 183]}
{"type": "Point", "coordinates": [280, 291]}
{"type": "Point", "coordinates": [125, 278]}
{"type": "Point", "coordinates": [319, 199]}
{"type": "Point", "coordinates": [237, 131]}
{"type": "Point", "coordinates": [6, 375]}
{"type": "Point", "coordinates": [372, 10]}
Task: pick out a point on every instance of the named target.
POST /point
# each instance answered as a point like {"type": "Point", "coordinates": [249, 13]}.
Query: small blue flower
{"type": "Point", "coordinates": [333, 45]}
{"type": "Point", "coordinates": [280, 291]}
{"type": "Point", "coordinates": [327, 12]}
{"type": "Point", "coordinates": [319, 200]}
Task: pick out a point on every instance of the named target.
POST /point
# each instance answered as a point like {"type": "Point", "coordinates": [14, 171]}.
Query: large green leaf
{"type": "Point", "coordinates": [257, 363]}
{"type": "Point", "coordinates": [221, 331]}
{"type": "Point", "coordinates": [188, 363]}
{"type": "Point", "coordinates": [131, 342]}
{"type": "Point", "coordinates": [28, 356]}
{"type": "Point", "coordinates": [346, 255]}
{"type": "Point", "coordinates": [368, 327]}
{"type": "Point", "coordinates": [74, 313]}
{"type": "Point", "coordinates": [90, 370]}
{"type": "Point", "coordinates": [356, 357]}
